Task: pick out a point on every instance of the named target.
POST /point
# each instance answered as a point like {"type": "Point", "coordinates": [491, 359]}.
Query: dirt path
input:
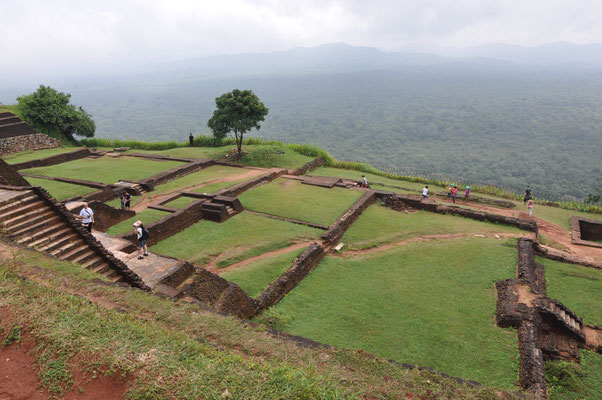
{"type": "Point", "coordinates": [212, 266]}
{"type": "Point", "coordinates": [428, 238]}
{"type": "Point", "coordinates": [150, 199]}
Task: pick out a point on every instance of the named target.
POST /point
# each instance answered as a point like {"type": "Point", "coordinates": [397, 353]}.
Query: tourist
{"type": "Point", "coordinates": [425, 192]}
{"type": "Point", "coordinates": [449, 190]}
{"type": "Point", "coordinates": [122, 201]}
{"type": "Point", "coordinates": [191, 139]}
{"type": "Point", "coordinates": [454, 191]}
{"type": "Point", "coordinates": [142, 236]}
{"type": "Point", "coordinates": [87, 216]}
{"type": "Point", "coordinates": [466, 194]}
{"type": "Point", "coordinates": [527, 194]}
{"type": "Point", "coordinates": [530, 207]}
{"type": "Point", "coordinates": [364, 181]}
{"type": "Point", "coordinates": [128, 200]}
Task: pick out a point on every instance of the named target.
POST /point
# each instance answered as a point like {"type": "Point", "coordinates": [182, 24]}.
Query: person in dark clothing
{"type": "Point", "coordinates": [128, 200]}
{"type": "Point", "coordinates": [191, 139]}
{"type": "Point", "coordinates": [527, 195]}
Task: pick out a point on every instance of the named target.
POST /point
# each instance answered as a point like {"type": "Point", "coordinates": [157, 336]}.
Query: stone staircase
{"type": "Point", "coordinates": [31, 220]}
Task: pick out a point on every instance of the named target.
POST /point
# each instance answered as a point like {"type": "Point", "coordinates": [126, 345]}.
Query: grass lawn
{"type": "Point", "coordinates": [147, 216]}
{"type": "Point", "coordinates": [186, 152]}
{"type": "Point", "coordinates": [577, 287]}
{"type": "Point", "coordinates": [379, 225]}
{"type": "Point", "coordinates": [256, 276]}
{"type": "Point", "coordinates": [243, 236]}
{"type": "Point", "coordinates": [60, 190]}
{"type": "Point", "coordinates": [588, 386]}
{"type": "Point", "coordinates": [106, 169]}
{"type": "Point", "coordinates": [292, 199]}
{"type": "Point", "coordinates": [197, 178]}
{"type": "Point", "coordinates": [429, 304]}
{"type": "Point", "coordinates": [215, 187]}
{"type": "Point", "coordinates": [23, 156]}
{"type": "Point", "coordinates": [389, 183]}
{"type": "Point", "coordinates": [180, 202]}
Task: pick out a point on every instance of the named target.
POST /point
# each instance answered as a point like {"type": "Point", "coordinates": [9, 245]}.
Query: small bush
{"type": "Point", "coordinates": [13, 337]}
{"type": "Point", "coordinates": [563, 374]}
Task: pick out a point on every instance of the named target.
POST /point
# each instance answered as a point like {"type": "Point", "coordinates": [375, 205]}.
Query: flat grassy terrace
{"type": "Point", "coordinates": [577, 287]}
{"type": "Point", "coordinates": [388, 182]}
{"type": "Point", "coordinates": [180, 202]}
{"type": "Point", "coordinates": [430, 304]}
{"type": "Point", "coordinates": [205, 175]}
{"type": "Point", "coordinates": [147, 216]}
{"type": "Point", "coordinates": [214, 187]}
{"type": "Point", "coordinates": [256, 276]}
{"type": "Point", "coordinates": [292, 199]}
{"type": "Point", "coordinates": [241, 237]}
{"type": "Point", "coordinates": [23, 156]}
{"type": "Point", "coordinates": [380, 225]}
{"type": "Point", "coordinates": [60, 190]}
{"type": "Point", "coordinates": [106, 170]}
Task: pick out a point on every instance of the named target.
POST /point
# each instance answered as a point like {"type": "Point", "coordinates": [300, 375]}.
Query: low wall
{"type": "Point", "coordinates": [586, 232]}
{"type": "Point", "coordinates": [528, 270]}
{"type": "Point", "coordinates": [80, 182]}
{"type": "Point", "coordinates": [481, 200]}
{"type": "Point", "coordinates": [310, 166]}
{"type": "Point", "coordinates": [400, 202]}
{"type": "Point", "coordinates": [236, 190]}
{"type": "Point", "coordinates": [9, 176]}
{"type": "Point", "coordinates": [106, 216]}
{"type": "Point", "coordinates": [54, 160]}
{"type": "Point", "coordinates": [558, 255]}
{"type": "Point", "coordinates": [338, 229]}
{"type": "Point", "coordinates": [175, 173]}
{"type": "Point", "coordinates": [33, 141]}
{"type": "Point", "coordinates": [303, 265]}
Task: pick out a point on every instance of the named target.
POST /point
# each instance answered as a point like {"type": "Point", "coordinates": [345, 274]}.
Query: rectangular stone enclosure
{"type": "Point", "coordinates": [586, 232]}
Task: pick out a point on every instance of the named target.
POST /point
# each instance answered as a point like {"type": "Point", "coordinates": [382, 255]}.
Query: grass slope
{"type": "Point", "coordinates": [23, 156]}
{"type": "Point", "coordinates": [577, 287]}
{"type": "Point", "coordinates": [427, 304]}
{"type": "Point", "coordinates": [256, 276]}
{"type": "Point", "coordinates": [106, 170]}
{"type": "Point", "coordinates": [243, 236]}
{"type": "Point", "coordinates": [585, 384]}
{"type": "Point", "coordinates": [292, 199]}
{"type": "Point", "coordinates": [379, 225]}
{"type": "Point", "coordinates": [61, 190]}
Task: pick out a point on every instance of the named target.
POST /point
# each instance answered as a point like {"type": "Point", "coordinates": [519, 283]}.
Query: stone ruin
{"type": "Point", "coordinates": [17, 136]}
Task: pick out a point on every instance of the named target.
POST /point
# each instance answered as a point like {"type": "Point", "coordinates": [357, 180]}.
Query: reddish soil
{"type": "Point", "coordinates": [19, 371]}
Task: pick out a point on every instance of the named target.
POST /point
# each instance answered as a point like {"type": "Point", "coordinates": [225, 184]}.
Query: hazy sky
{"type": "Point", "coordinates": [71, 34]}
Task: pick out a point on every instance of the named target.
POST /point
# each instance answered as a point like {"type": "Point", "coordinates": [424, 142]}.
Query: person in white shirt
{"type": "Point", "coordinates": [364, 181]}
{"type": "Point", "coordinates": [425, 192]}
{"type": "Point", "coordinates": [87, 216]}
{"type": "Point", "coordinates": [142, 235]}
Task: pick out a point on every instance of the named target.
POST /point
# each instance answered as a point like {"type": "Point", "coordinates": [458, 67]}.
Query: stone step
{"type": "Point", "coordinates": [74, 252]}
{"type": "Point", "coordinates": [55, 244]}
{"type": "Point", "coordinates": [16, 212]}
{"type": "Point", "coordinates": [51, 237]}
{"type": "Point", "coordinates": [18, 202]}
{"type": "Point", "coordinates": [33, 215]}
{"type": "Point", "coordinates": [34, 226]}
{"type": "Point", "coordinates": [51, 232]}
{"type": "Point", "coordinates": [82, 256]}
{"type": "Point", "coordinates": [67, 248]}
{"type": "Point", "coordinates": [102, 268]}
{"type": "Point", "coordinates": [92, 262]}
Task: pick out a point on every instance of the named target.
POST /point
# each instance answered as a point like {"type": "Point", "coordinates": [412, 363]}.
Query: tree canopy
{"type": "Point", "coordinates": [49, 111]}
{"type": "Point", "coordinates": [237, 111]}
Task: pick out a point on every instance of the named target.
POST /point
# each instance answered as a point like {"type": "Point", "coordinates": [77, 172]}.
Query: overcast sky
{"type": "Point", "coordinates": [67, 34]}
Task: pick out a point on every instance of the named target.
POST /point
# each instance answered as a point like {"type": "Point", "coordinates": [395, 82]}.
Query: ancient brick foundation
{"type": "Point", "coordinates": [310, 166]}
{"type": "Point", "coordinates": [586, 232]}
{"type": "Point", "coordinates": [106, 216]}
{"type": "Point", "coordinates": [34, 141]}
{"type": "Point", "coordinates": [236, 190]}
{"type": "Point", "coordinates": [338, 229]}
{"type": "Point", "coordinates": [54, 160]}
{"type": "Point", "coordinates": [9, 176]}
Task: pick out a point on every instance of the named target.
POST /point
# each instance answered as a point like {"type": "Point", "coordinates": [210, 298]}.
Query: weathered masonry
{"type": "Point", "coordinates": [17, 136]}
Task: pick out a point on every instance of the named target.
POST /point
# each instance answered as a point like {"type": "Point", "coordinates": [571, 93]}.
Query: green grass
{"type": "Point", "coordinates": [16, 158]}
{"type": "Point", "coordinates": [180, 202]}
{"type": "Point", "coordinates": [256, 276]}
{"type": "Point", "coordinates": [178, 350]}
{"type": "Point", "coordinates": [197, 178]}
{"type": "Point", "coordinates": [430, 304]}
{"type": "Point", "coordinates": [577, 287]}
{"type": "Point", "coordinates": [292, 199]}
{"type": "Point", "coordinates": [379, 225]}
{"type": "Point", "coordinates": [147, 216]}
{"type": "Point", "coordinates": [60, 190]}
{"type": "Point", "coordinates": [357, 176]}
{"type": "Point", "coordinates": [243, 236]}
{"type": "Point", "coordinates": [585, 381]}
{"type": "Point", "coordinates": [186, 152]}
{"type": "Point", "coordinates": [271, 156]}
{"type": "Point", "coordinates": [215, 187]}
{"type": "Point", "coordinates": [106, 170]}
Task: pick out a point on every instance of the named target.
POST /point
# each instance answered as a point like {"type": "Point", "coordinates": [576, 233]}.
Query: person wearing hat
{"type": "Point", "coordinates": [142, 235]}
{"type": "Point", "coordinates": [466, 194]}
{"type": "Point", "coordinates": [449, 190]}
{"type": "Point", "coordinates": [453, 194]}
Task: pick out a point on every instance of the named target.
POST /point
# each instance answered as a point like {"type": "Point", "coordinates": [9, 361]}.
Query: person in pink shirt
{"type": "Point", "coordinates": [467, 194]}
{"type": "Point", "coordinates": [454, 191]}
{"type": "Point", "coordinates": [530, 207]}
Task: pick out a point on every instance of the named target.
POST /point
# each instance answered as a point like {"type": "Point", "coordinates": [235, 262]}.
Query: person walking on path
{"type": "Point", "coordinates": [454, 191]}
{"type": "Point", "coordinates": [527, 194]}
{"type": "Point", "coordinates": [142, 235]}
{"type": "Point", "coordinates": [191, 139]}
{"type": "Point", "coordinates": [467, 194]}
{"type": "Point", "coordinates": [128, 200]}
{"type": "Point", "coordinates": [449, 190]}
{"type": "Point", "coordinates": [425, 192]}
{"type": "Point", "coordinates": [530, 207]}
{"type": "Point", "coordinates": [364, 181]}
{"type": "Point", "coordinates": [87, 216]}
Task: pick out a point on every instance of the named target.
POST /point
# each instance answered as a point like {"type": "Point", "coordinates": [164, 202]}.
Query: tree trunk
{"type": "Point", "coordinates": [238, 139]}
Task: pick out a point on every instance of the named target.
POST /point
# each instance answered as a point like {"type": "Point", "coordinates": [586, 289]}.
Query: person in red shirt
{"type": "Point", "coordinates": [454, 191]}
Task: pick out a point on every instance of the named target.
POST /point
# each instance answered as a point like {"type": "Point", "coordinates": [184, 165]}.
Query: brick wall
{"type": "Point", "coordinates": [34, 141]}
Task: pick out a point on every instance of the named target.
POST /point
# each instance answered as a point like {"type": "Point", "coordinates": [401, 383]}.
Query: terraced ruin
{"type": "Point", "coordinates": [306, 250]}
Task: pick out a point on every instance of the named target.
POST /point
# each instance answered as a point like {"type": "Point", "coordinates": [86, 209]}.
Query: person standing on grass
{"type": "Point", "coordinates": [425, 192]}
{"type": "Point", "coordinates": [128, 200]}
{"type": "Point", "coordinates": [364, 181]}
{"type": "Point", "coordinates": [467, 194]}
{"type": "Point", "coordinates": [527, 194]}
{"type": "Point", "coordinates": [191, 139]}
{"type": "Point", "coordinates": [87, 216]}
{"type": "Point", "coordinates": [530, 207]}
{"type": "Point", "coordinates": [454, 191]}
{"type": "Point", "coordinates": [142, 236]}
{"type": "Point", "coordinates": [449, 190]}
{"type": "Point", "coordinates": [122, 201]}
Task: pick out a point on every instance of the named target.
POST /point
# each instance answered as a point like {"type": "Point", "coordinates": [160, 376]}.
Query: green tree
{"type": "Point", "coordinates": [49, 111]}
{"type": "Point", "coordinates": [237, 111]}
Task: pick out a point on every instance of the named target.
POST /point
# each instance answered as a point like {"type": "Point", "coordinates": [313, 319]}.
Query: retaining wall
{"type": "Point", "coordinates": [236, 190]}
{"type": "Point", "coordinates": [9, 176]}
{"type": "Point", "coordinates": [31, 141]}
{"type": "Point", "coordinates": [338, 229]}
{"type": "Point", "coordinates": [54, 160]}
{"type": "Point", "coordinates": [175, 173]}
{"type": "Point", "coordinates": [310, 166]}
{"type": "Point", "coordinates": [106, 216]}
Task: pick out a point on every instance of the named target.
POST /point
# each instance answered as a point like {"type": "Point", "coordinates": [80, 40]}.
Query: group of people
{"type": "Point", "coordinates": [452, 191]}
{"type": "Point", "coordinates": [126, 201]}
